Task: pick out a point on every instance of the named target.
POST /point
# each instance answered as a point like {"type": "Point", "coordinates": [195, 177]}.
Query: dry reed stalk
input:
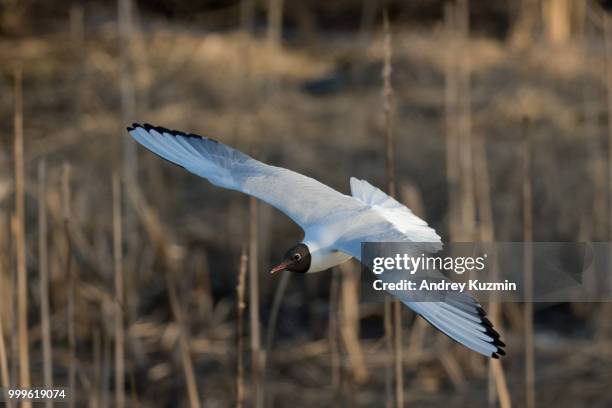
{"type": "Point", "coordinates": [4, 372]}
{"type": "Point", "coordinates": [455, 168]}
{"type": "Point", "coordinates": [43, 262]}
{"type": "Point", "coordinates": [466, 231]}
{"type": "Point", "coordinates": [186, 360]}
{"type": "Point", "coordinates": [396, 327]}
{"type": "Point", "coordinates": [497, 379]}
{"type": "Point", "coordinates": [333, 335]}
{"type": "Point", "coordinates": [247, 20]}
{"type": "Point", "coordinates": [244, 94]}
{"type": "Point", "coordinates": [129, 164]}
{"type": "Point", "coordinates": [240, 330]}
{"type": "Point", "coordinates": [528, 267]}
{"type": "Point", "coordinates": [349, 324]}
{"type": "Point", "coordinates": [593, 228]}
{"type": "Point", "coordinates": [95, 401]}
{"type": "Point", "coordinates": [417, 337]}
{"type": "Point", "coordinates": [20, 238]}
{"type": "Point", "coordinates": [388, 325]}
{"type": "Point", "coordinates": [486, 232]}
{"type": "Point", "coordinates": [77, 36]}
{"type": "Point", "coordinates": [276, 304]}
{"type": "Point", "coordinates": [66, 215]}
{"type": "Point", "coordinates": [492, 389]}
{"type": "Point", "coordinates": [596, 164]}
{"type": "Point", "coordinates": [106, 361]}
{"type": "Point", "coordinates": [604, 327]}
{"type": "Point", "coordinates": [455, 157]}
{"type": "Point", "coordinates": [274, 43]}
{"type": "Point", "coordinates": [118, 309]}
{"type": "Point", "coordinates": [12, 303]}
{"type": "Point", "coordinates": [256, 351]}
{"type": "Point", "coordinates": [501, 386]}
{"type": "Point", "coordinates": [5, 269]}
{"type": "Point", "coordinates": [388, 107]}
{"type": "Point", "coordinates": [126, 85]}
{"type": "Point", "coordinates": [398, 353]}
{"type": "Point", "coordinates": [579, 16]}
{"type": "Point", "coordinates": [464, 123]}
{"type": "Point", "coordinates": [142, 70]}
{"type": "Point", "coordinates": [608, 54]}
{"type": "Point", "coordinates": [556, 19]}
{"type": "Point", "coordinates": [450, 103]}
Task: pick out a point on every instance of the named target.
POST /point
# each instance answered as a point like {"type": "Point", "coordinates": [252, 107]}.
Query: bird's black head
{"type": "Point", "coordinates": [297, 259]}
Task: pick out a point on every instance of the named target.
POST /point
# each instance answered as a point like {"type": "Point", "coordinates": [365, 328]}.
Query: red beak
{"type": "Point", "coordinates": [281, 267]}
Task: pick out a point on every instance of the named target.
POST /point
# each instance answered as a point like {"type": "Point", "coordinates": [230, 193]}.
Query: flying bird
{"type": "Point", "coordinates": [334, 224]}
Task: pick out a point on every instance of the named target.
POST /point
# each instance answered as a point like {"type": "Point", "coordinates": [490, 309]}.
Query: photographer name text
{"type": "Point", "coordinates": [425, 285]}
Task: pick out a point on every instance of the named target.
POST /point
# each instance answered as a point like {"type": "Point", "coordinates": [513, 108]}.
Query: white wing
{"type": "Point", "coordinates": [459, 316]}
{"type": "Point", "coordinates": [303, 199]}
{"type": "Point", "coordinates": [383, 219]}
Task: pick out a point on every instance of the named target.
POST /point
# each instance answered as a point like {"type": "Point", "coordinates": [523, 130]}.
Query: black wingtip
{"type": "Point", "coordinates": [160, 129]}
{"type": "Point", "coordinates": [492, 333]}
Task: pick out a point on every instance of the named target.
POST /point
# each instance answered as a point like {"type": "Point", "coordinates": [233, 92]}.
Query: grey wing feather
{"type": "Point", "coordinates": [303, 199]}
{"type": "Point", "coordinates": [459, 316]}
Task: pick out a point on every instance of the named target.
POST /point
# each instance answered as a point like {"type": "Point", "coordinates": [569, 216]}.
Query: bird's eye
{"type": "Point", "coordinates": [296, 257]}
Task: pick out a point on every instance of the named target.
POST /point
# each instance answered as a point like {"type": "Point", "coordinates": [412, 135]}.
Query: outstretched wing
{"type": "Point", "coordinates": [303, 199]}
{"type": "Point", "coordinates": [459, 316]}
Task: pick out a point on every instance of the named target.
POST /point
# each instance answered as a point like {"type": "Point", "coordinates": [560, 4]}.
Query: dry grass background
{"type": "Point", "coordinates": [171, 246]}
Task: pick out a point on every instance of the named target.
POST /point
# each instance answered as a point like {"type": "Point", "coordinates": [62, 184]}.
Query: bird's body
{"type": "Point", "coordinates": [368, 211]}
{"type": "Point", "coordinates": [324, 257]}
{"type": "Point", "coordinates": [335, 224]}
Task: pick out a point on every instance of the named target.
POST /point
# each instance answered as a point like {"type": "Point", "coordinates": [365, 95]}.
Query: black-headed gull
{"type": "Point", "coordinates": [334, 224]}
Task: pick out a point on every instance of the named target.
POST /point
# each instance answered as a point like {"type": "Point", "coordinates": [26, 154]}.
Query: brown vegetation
{"type": "Point", "coordinates": [128, 279]}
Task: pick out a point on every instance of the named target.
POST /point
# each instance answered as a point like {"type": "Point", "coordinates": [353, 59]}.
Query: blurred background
{"type": "Point", "coordinates": [134, 283]}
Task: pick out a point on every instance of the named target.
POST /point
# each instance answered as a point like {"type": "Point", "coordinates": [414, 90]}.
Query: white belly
{"type": "Point", "coordinates": [324, 258]}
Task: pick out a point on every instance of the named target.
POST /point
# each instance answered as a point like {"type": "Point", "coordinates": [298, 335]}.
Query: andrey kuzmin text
{"type": "Point", "coordinates": [425, 285]}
